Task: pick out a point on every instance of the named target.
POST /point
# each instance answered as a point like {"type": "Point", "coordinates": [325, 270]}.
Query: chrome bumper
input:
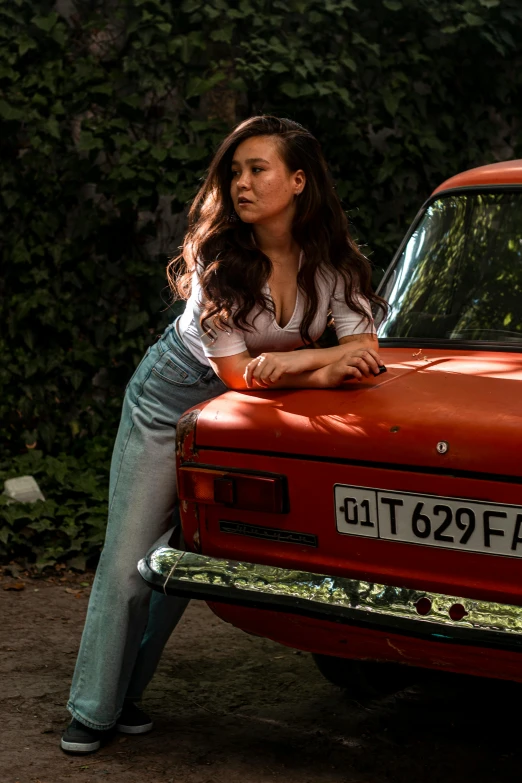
{"type": "Point", "coordinates": [334, 598]}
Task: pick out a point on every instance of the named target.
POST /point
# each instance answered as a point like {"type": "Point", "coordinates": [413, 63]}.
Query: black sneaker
{"type": "Point", "coordinates": [78, 738]}
{"type": "Point", "coordinates": [133, 720]}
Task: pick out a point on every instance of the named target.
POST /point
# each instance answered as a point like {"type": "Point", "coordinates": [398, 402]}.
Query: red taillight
{"type": "Point", "coordinates": [236, 490]}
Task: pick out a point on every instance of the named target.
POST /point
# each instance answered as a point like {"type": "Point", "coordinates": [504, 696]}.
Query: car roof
{"type": "Point", "coordinates": [505, 173]}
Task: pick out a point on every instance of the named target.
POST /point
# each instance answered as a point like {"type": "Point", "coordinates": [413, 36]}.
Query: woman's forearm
{"type": "Point", "coordinates": [311, 379]}
{"type": "Point", "coordinates": [315, 358]}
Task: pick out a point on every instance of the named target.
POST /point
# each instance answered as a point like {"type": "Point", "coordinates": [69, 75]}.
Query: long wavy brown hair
{"type": "Point", "coordinates": [233, 270]}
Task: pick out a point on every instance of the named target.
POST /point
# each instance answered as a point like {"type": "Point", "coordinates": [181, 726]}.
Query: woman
{"type": "Point", "coordinates": [268, 255]}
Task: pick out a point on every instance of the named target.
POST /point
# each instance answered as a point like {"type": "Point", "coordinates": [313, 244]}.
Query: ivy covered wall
{"type": "Point", "coordinates": [110, 111]}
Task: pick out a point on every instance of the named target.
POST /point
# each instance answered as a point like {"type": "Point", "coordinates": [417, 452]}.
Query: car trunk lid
{"type": "Point", "coordinates": [468, 401]}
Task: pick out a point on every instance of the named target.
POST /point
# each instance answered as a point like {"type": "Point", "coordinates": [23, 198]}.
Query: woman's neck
{"type": "Point", "coordinates": [280, 246]}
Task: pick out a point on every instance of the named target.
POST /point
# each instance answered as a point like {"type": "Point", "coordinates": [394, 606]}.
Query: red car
{"type": "Point", "coordinates": [380, 523]}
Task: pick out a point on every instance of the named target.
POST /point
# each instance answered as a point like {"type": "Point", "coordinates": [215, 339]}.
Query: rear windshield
{"type": "Point", "coordinates": [459, 276]}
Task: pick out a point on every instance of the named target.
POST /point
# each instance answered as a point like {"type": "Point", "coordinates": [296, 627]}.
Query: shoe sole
{"type": "Point", "coordinates": [143, 729]}
{"type": "Point", "coordinates": [79, 747]}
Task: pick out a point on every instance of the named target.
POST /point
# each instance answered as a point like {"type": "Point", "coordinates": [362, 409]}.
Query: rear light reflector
{"type": "Point", "coordinates": [234, 490]}
{"type": "Point", "coordinates": [224, 490]}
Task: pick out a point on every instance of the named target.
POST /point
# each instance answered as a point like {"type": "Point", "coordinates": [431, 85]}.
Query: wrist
{"type": "Point", "coordinates": [321, 379]}
{"type": "Point", "coordinates": [312, 359]}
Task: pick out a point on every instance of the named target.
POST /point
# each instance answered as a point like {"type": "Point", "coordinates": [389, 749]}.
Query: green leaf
{"type": "Point", "coordinates": [53, 127]}
{"type": "Point", "coordinates": [45, 23]}
{"type": "Point", "coordinates": [473, 19]}
{"type": "Point", "coordinates": [44, 561]}
{"type": "Point", "coordinates": [200, 125]}
{"type": "Point", "coordinates": [132, 100]}
{"type": "Point", "coordinates": [199, 86]}
{"type": "Point", "coordinates": [102, 89]}
{"type": "Point", "coordinates": [9, 112]}
{"type": "Point", "coordinates": [25, 44]}
{"type": "Point", "coordinates": [76, 377]}
{"type": "Point", "coordinates": [391, 101]}
{"type": "Point", "coordinates": [10, 198]}
{"type": "Point", "coordinates": [432, 143]}
{"type": "Point", "coordinates": [89, 142]}
{"type": "Point", "coordinates": [223, 34]}
{"type": "Point", "coordinates": [159, 153]}
{"type": "Point", "coordinates": [189, 6]}
{"type": "Point", "coordinates": [290, 89]}
{"type": "Point", "coordinates": [392, 5]}
{"type": "Point", "coordinates": [135, 321]}
{"type": "Point", "coordinates": [348, 63]}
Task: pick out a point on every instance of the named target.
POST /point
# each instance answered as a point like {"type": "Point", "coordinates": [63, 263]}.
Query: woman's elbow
{"type": "Point", "coordinates": [234, 384]}
{"type": "Point", "coordinates": [230, 372]}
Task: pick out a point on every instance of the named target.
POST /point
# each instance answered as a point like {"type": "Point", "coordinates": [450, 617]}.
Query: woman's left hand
{"type": "Point", "coordinates": [267, 368]}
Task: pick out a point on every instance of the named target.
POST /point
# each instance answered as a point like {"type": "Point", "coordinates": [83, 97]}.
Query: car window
{"type": "Point", "coordinates": [459, 276]}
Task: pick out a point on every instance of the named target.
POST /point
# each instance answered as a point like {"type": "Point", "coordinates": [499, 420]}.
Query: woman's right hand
{"type": "Point", "coordinates": [268, 368]}
{"type": "Point", "coordinates": [360, 364]}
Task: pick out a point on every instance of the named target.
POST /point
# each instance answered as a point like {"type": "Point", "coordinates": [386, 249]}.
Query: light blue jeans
{"type": "Point", "coordinates": [127, 624]}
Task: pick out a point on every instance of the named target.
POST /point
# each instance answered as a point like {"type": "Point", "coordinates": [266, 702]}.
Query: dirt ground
{"type": "Point", "coordinates": [233, 708]}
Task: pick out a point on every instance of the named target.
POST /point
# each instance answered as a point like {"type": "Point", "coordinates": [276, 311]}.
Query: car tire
{"type": "Point", "coordinates": [364, 679]}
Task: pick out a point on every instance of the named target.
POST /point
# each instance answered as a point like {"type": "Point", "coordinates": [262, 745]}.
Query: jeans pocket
{"type": "Point", "coordinates": [173, 370]}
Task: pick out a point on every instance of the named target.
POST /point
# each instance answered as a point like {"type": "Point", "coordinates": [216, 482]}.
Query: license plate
{"type": "Point", "coordinates": [430, 520]}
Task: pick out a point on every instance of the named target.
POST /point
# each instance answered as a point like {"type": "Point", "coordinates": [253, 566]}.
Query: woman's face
{"type": "Point", "coordinates": [262, 188]}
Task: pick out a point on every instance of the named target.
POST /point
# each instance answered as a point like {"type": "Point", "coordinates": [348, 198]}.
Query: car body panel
{"type": "Point", "coordinates": [507, 172]}
{"type": "Point", "coordinates": [327, 638]}
{"type": "Point", "coordinates": [397, 418]}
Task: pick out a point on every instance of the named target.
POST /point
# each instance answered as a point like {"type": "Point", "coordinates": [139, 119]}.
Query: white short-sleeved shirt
{"type": "Point", "coordinates": [267, 335]}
